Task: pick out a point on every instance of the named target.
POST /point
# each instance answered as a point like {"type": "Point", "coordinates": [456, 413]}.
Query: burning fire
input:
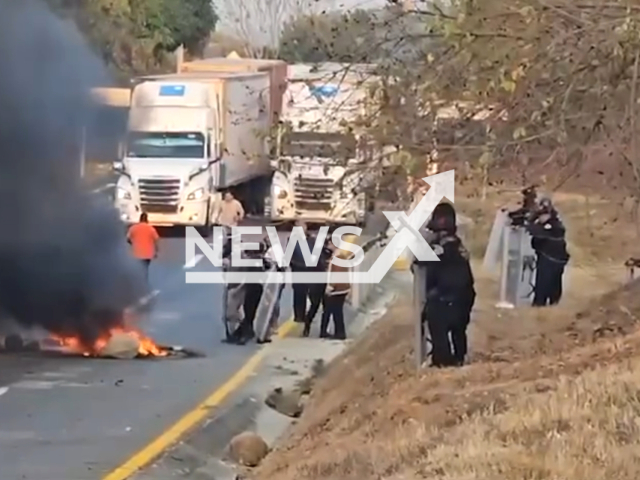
{"type": "Point", "coordinates": [146, 346]}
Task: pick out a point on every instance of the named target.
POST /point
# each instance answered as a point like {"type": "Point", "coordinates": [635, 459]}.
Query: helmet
{"type": "Point", "coordinates": [443, 218]}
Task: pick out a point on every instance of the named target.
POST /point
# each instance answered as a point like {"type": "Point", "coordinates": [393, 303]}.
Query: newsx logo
{"type": "Point", "coordinates": [407, 236]}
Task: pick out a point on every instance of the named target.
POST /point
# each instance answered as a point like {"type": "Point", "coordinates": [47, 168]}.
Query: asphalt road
{"type": "Point", "coordinates": [78, 419]}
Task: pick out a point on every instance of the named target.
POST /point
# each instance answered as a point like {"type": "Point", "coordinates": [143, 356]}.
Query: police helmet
{"type": "Point", "coordinates": [443, 218]}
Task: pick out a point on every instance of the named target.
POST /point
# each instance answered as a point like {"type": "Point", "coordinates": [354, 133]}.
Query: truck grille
{"type": "Point", "coordinates": [313, 193]}
{"type": "Point", "coordinates": [159, 195]}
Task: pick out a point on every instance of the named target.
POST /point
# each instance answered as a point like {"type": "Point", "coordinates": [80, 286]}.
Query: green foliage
{"type": "Point", "coordinates": [136, 36]}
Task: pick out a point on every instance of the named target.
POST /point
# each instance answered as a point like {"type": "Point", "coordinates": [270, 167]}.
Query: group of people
{"type": "Point", "coordinates": [242, 300]}
{"type": "Point", "coordinates": [144, 238]}
{"type": "Point", "coordinates": [330, 295]}
{"type": "Point", "coordinates": [449, 285]}
{"type": "Point", "coordinates": [450, 292]}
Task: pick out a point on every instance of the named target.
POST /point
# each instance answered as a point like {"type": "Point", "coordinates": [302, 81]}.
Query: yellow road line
{"type": "Point", "coordinates": [169, 437]}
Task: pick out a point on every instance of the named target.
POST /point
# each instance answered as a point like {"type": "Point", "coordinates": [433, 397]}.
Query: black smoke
{"type": "Point", "coordinates": [64, 261]}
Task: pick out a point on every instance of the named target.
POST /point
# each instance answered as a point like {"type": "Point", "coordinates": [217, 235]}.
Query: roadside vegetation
{"type": "Point", "coordinates": [134, 37]}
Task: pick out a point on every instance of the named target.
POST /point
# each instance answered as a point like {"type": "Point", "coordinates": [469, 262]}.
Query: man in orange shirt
{"type": "Point", "coordinates": [144, 242]}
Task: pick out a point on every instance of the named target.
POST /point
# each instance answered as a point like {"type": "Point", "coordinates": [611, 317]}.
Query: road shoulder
{"type": "Point", "coordinates": [286, 363]}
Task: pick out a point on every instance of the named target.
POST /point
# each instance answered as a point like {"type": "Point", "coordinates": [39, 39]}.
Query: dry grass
{"type": "Point", "coordinates": [550, 394]}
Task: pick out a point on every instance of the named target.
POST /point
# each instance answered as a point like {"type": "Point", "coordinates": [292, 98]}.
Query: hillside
{"type": "Point", "coordinates": [548, 394]}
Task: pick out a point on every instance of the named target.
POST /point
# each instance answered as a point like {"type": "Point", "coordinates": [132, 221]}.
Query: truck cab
{"type": "Point", "coordinates": [170, 160]}
{"type": "Point", "coordinates": [324, 177]}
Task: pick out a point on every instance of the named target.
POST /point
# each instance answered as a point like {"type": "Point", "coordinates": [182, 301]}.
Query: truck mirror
{"type": "Point", "coordinates": [117, 166]}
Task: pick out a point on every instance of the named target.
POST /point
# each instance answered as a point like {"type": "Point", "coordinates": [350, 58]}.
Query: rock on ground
{"type": "Point", "coordinates": [285, 402]}
{"type": "Point", "coordinates": [122, 346]}
{"type": "Point", "coordinates": [247, 449]}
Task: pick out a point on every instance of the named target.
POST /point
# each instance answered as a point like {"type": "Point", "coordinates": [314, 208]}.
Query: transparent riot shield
{"type": "Point", "coordinates": [493, 254]}
{"type": "Point", "coordinates": [268, 309]}
{"type": "Point", "coordinates": [517, 280]}
{"type": "Point", "coordinates": [232, 303]}
{"type": "Point", "coordinates": [422, 345]}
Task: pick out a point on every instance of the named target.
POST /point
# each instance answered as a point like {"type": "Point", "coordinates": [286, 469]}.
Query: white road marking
{"type": "Point", "coordinates": [35, 385]}
{"type": "Point", "coordinates": [103, 188]}
{"type": "Point", "coordinates": [3, 390]}
{"type": "Point", "coordinates": [193, 261]}
{"type": "Point", "coordinates": [54, 375]}
{"type": "Point", "coordinates": [147, 298]}
{"type": "Point", "coordinates": [46, 385]}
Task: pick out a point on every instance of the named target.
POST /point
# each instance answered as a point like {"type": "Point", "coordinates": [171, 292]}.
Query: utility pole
{"type": "Point", "coordinates": [179, 58]}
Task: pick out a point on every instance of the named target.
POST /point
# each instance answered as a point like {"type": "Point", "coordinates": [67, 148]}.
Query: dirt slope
{"type": "Point", "coordinates": [550, 394]}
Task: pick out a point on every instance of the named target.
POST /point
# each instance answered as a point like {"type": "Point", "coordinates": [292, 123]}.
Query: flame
{"type": "Point", "coordinates": [146, 346]}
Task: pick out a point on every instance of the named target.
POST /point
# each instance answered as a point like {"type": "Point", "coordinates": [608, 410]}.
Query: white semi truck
{"type": "Point", "coordinates": [321, 169]}
{"type": "Point", "coordinates": [320, 177]}
{"type": "Point", "coordinates": [190, 136]}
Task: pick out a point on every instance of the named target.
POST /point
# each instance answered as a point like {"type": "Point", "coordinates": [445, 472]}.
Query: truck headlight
{"type": "Point", "coordinates": [280, 192]}
{"type": "Point", "coordinates": [122, 194]}
{"type": "Point", "coordinates": [196, 195]}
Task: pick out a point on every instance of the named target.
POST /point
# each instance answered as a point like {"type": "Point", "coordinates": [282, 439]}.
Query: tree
{"type": "Point", "coordinates": [548, 81]}
{"type": "Point", "coordinates": [190, 23]}
{"type": "Point", "coordinates": [136, 36]}
{"type": "Point", "coordinates": [338, 37]}
{"type": "Point", "coordinates": [259, 23]}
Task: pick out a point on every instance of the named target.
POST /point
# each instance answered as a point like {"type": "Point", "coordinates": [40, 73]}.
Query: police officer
{"type": "Point", "coordinates": [300, 290]}
{"type": "Point", "coordinates": [450, 290]}
{"type": "Point", "coordinates": [548, 241]}
{"type": "Point", "coordinates": [252, 295]}
{"type": "Point", "coordinates": [317, 290]}
{"type": "Point", "coordinates": [234, 296]}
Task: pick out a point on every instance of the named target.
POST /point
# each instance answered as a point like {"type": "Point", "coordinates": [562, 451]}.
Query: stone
{"type": "Point", "coordinates": [121, 346]}
{"type": "Point", "coordinates": [285, 402]}
{"type": "Point", "coordinates": [247, 449]}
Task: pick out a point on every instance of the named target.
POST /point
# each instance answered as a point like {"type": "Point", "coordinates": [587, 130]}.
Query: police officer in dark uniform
{"type": "Point", "coordinates": [252, 295]}
{"type": "Point", "coordinates": [548, 241]}
{"type": "Point", "coordinates": [317, 290]}
{"type": "Point", "coordinates": [300, 290]}
{"type": "Point", "coordinates": [450, 290]}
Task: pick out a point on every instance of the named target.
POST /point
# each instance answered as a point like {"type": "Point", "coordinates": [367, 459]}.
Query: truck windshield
{"type": "Point", "coordinates": [166, 145]}
{"type": "Point", "coordinates": [318, 144]}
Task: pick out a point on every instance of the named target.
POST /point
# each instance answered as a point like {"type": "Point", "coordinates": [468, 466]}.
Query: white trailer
{"type": "Point", "coordinates": [190, 136]}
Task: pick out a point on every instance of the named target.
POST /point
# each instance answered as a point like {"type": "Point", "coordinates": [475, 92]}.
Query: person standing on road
{"type": "Point", "coordinates": [144, 240]}
{"type": "Point", "coordinates": [298, 265]}
{"type": "Point", "coordinates": [334, 298]}
{"type": "Point", "coordinates": [317, 290]}
{"type": "Point", "coordinates": [231, 211]}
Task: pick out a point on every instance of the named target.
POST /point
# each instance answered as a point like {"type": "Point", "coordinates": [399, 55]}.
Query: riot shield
{"type": "Point", "coordinates": [517, 280]}
{"type": "Point", "coordinates": [422, 345]}
{"type": "Point", "coordinates": [493, 253]}
{"type": "Point", "coordinates": [268, 308]}
{"type": "Point", "coordinates": [233, 301]}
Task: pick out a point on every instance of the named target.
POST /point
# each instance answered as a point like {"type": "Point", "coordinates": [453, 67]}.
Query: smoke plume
{"type": "Point", "coordinates": [64, 261]}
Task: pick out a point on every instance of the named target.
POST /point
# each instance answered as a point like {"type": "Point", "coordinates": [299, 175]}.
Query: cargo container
{"type": "Point", "coordinates": [189, 136]}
